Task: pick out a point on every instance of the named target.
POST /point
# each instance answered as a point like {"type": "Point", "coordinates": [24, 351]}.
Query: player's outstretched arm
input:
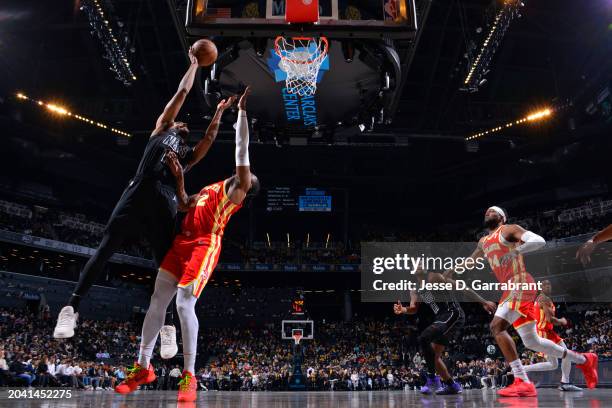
{"type": "Point", "coordinates": [201, 148]}
{"type": "Point", "coordinates": [174, 106]}
{"type": "Point", "coordinates": [243, 165]}
{"type": "Point", "coordinates": [487, 305]}
{"type": "Point", "coordinates": [585, 251]}
{"type": "Point", "coordinates": [185, 202]}
{"type": "Point", "coordinates": [412, 309]}
{"type": "Point", "coordinates": [530, 241]}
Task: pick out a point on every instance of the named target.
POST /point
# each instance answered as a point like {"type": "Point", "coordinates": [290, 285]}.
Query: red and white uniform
{"type": "Point", "coordinates": [545, 329]}
{"type": "Point", "coordinates": [495, 246]}
{"type": "Point", "coordinates": [195, 250]}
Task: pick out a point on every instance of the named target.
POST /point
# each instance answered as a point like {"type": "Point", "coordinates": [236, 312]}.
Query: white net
{"type": "Point", "coordinates": [301, 59]}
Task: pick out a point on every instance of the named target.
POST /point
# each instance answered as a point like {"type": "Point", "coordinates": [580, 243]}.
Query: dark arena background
{"type": "Point", "coordinates": [426, 113]}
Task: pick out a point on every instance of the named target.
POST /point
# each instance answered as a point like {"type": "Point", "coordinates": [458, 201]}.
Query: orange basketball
{"type": "Point", "coordinates": [205, 52]}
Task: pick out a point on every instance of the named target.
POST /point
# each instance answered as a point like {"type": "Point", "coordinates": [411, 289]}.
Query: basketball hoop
{"type": "Point", "coordinates": [301, 59]}
{"type": "Point", "coordinates": [297, 335]}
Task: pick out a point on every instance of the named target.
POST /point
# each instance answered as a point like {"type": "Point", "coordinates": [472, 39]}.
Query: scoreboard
{"type": "Point", "coordinates": [303, 200]}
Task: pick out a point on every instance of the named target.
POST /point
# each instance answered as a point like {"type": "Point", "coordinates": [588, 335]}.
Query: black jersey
{"type": "Point", "coordinates": [152, 165]}
{"type": "Point", "coordinates": [440, 301]}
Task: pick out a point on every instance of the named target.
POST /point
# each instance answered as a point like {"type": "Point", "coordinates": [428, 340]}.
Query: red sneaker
{"type": "Point", "coordinates": [138, 375]}
{"type": "Point", "coordinates": [518, 388]}
{"type": "Point", "coordinates": [187, 387]}
{"type": "Point", "coordinates": [589, 369]}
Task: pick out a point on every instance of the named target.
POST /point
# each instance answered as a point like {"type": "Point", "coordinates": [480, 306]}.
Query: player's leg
{"type": "Point", "coordinates": [504, 317]}
{"type": "Point", "coordinates": [566, 368]}
{"type": "Point", "coordinates": [587, 362]}
{"type": "Point", "coordinates": [550, 364]}
{"type": "Point", "coordinates": [439, 363]}
{"type": "Point", "coordinates": [185, 306]}
{"type": "Point", "coordinates": [162, 232]}
{"type": "Point", "coordinates": [447, 329]}
{"type": "Point", "coordinates": [425, 342]}
{"type": "Point", "coordinates": [199, 269]}
{"type": "Point", "coordinates": [111, 242]}
{"type": "Point", "coordinates": [142, 372]}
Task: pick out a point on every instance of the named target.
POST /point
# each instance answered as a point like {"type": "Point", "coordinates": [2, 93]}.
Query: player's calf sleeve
{"type": "Point", "coordinates": [165, 288]}
{"type": "Point", "coordinates": [532, 341]}
{"type": "Point", "coordinates": [185, 306]}
{"type": "Point", "coordinates": [566, 367]}
{"type": "Point", "coordinates": [550, 364]}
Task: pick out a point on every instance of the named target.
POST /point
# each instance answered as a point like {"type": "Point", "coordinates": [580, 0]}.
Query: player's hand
{"type": "Point", "coordinates": [226, 103]}
{"type": "Point", "coordinates": [563, 321]}
{"type": "Point", "coordinates": [174, 165]}
{"type": "Point", "coordinates": [584, 252]}
{"type": "Point", "coordinates": [509, 257]}
{"type": "Point", "coordinates": [489, 307]}
{"type": "Point", "coordinates": [243, 99]}
{"type": "Point", "coordinates": [398, 308]}
{"type": "Point", "coordinates": [192, 59]}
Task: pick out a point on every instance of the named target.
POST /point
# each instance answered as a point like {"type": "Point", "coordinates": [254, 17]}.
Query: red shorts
{"type": "Point", "coordinates": [193, 262]}
{"type": "Point", "coordinates": [550, 335]}
{"type": "Point", "coordinates": [528, 314]}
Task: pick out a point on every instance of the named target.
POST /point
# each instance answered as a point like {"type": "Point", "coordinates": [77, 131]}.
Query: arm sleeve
{"type": "Point", "coordinates": [531, 242]}
{"type": "Point", "coordinates": [242, 140]}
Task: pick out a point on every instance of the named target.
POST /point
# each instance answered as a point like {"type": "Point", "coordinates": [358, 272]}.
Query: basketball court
{"type": "Point", "coordinates": [547, 398]}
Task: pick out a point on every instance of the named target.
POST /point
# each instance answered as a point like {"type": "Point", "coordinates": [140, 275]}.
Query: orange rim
{"type": "Point", "coordinates": [309, 61]}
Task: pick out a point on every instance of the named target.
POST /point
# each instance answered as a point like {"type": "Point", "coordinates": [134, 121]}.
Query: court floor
{"type": "Point", "coordinates": [379, 399]}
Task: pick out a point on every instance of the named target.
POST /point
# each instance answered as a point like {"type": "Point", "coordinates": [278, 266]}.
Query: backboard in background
{"type": "Point", "coordinates": [338, 19]}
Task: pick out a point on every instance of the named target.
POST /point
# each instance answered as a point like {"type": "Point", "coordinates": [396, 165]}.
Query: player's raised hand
{"type": "Point", "coordinates": [584, 252]}
{"type": "Point", "coordinates": [563, 321]}
{"type": "Point", "coordinates": [398, 308]}
{"type": "Point", "coordinates": [489, 307]}
{"type": "Point", "coordinates": [226, 103]}
{"type": "Point", "coordinates": [243, 99]}
{"type": "Point", "coordinates": [174, 165]}
{"type": "Point", "coordinates": [192, 57]}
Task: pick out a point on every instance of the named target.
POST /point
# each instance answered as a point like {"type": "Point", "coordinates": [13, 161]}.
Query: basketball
{"type": "Point", "coordinates": [205, 52]}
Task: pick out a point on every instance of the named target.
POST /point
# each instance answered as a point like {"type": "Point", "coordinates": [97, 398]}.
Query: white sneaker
{"type": "Point", "coordinates": [168, 347]}
{"type": "Point", "coordinates": [66, 323]}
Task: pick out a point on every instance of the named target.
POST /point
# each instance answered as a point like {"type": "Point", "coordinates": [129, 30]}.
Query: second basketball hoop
{"type": "Point", "coordinates": [301, 59]}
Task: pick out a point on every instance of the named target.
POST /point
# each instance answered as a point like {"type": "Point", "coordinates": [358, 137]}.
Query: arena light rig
{"type": "Point", "coordinates": [539, 115]}
{"type": "Point", "coordinates": [480, 65]}
{"type": "Point", "coordinates": [115, 51]}
{"type": "Point", "coordinates": [61, 111]}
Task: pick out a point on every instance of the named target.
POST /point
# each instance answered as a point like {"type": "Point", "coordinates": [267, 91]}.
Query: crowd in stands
{"type": "Point", "coordinates": [553, 224]}
{"type": "Point", "coordinates": [362, 354]}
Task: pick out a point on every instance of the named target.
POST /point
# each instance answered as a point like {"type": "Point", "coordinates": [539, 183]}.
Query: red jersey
{"type": "Point", "coordinates": [495, 247]}
{"type": "Point", "coordinates": [210, 215]}
{"type": "Point", "coordinates": [543, 325]}
{"type": "Point", "coordinates": [195, 250]}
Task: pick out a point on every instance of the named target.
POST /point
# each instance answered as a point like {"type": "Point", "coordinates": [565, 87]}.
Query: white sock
{"type": "Point", "coordinates": [566, 368]}
{"type": "Point", "coordinates": [185, 305]}
{"type": "Point", "coordinates": [165, 289]}
{"type": "Point", "coordinates": [518, 370]}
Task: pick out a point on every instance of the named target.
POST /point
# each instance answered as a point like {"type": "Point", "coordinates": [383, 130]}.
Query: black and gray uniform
{"type": "Point", "coordinates": [448, 315]}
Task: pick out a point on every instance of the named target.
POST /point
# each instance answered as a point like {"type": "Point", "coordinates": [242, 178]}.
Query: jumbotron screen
{"type": "Point", "coordinates": [302, 200]}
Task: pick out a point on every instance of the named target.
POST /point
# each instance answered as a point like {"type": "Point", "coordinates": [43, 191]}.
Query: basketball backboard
{"type": "Point", "coordinates": [289, 327]}
{"type": "Point", "coordinates": [338, 19]}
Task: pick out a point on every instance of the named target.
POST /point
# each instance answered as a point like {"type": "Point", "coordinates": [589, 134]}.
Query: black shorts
{"type": "Point", "coordinates": [445, 327]}
{"type": "Point", "coordinates": [146, 209]}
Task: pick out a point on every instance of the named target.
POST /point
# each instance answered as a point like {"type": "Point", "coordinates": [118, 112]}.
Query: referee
{"type": "Point", "coordinates": [148, 205]}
